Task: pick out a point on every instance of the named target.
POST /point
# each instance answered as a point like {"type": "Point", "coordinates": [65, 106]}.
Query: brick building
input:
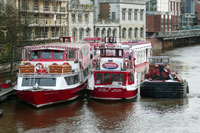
{"type": "Point", "coordinates": [162, 16]}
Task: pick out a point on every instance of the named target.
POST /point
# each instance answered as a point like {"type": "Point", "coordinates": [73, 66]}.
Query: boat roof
{"type": "Point", "coordinates": [159, 57]}
{"type": "Point", "coordinates": [57, 46]}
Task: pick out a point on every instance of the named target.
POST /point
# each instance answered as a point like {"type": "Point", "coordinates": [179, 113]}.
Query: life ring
{"type": "Point", "coordinates": [27, 63]}
{"type": "Point", "coordinates": [40, 68]}
{"type": "Point", "coordinates": [66, 63]}
{"type": "Point", "coordinates": [128, 64]}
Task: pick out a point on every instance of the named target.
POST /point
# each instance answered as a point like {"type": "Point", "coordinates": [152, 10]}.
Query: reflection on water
{"type": "Point", "coordinates": [110, 116]}
{"type": "Point", "coordinates": [143, 115]}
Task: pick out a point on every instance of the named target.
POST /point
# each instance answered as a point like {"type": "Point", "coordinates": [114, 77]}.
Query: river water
{"type": "Point", "coordinates": [141, 115]}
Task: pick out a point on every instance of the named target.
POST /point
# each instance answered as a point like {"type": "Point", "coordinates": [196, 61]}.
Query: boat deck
{"type": "Point", "coordinates": [5, 92]}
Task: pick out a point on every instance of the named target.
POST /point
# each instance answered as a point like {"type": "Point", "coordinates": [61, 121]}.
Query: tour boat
{"type": "Point", "coordinates": [119, 70]}
{"type": "Point", "coordinates": [53, 73]}
{"type": "Point", "coordinates": [162, 82]}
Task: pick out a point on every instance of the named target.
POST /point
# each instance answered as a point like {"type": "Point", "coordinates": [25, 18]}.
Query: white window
{"type": "Point", "coordinates": [88, 32]}
{"type": "Point", "coordinates": [142, 32]}
{"type": "Point", "coordinates": [97, 32]}
{"type": "Point", "coordinates": [86, 18]}
{"type": "Point", "coordinates": [113, 16]}
{"type": "Point", "coordinates": [79, 18]}
{"type": "Point", "coordinates": [141, 15]}
{"type": "Point", "coordinates": [73, 17]}
{"type": "Point", "coordinates": [136, 33]}
{"type": "Point", "coordinates": [135, 14]}
{"type": "Point", "coordinates": [81, 34]}
{"type": "Point", "coordinates": [130, 14]}
{"type": "Point", "coordinates": [36, 5]}
{"type": "Point", "coordinates": [124, 33]}
{"type": "Point", "coordinates": [130, 33]}
{"type": "Point", "coordinates": [123, 14]}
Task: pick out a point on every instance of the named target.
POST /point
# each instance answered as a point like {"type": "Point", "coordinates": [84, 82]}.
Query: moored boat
{"type": "Point", "coordinates": [53, 73]}
{"type": "Point", "coordinates": [162, 82]}
{"type": "Point", "coordinates": [119, 70]}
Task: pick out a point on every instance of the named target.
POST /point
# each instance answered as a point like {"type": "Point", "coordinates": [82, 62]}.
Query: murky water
{"type": "Point", "coordinates": [142, 115]}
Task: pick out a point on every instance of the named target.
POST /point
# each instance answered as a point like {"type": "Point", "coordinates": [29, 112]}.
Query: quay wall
{"type": "Point", "coordinates": [160, 45]}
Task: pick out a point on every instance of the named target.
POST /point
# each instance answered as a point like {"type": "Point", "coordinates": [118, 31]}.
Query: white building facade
{"type": "Point", "coordinates": [123, 19]}
{"type": "Point", "coordinates": [81, 22]}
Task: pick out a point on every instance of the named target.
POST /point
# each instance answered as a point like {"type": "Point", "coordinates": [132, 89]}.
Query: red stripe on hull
{"type": "Point", "coordinates": [112, 93]}
{"type": "Point", "coordinates": [46, 97]}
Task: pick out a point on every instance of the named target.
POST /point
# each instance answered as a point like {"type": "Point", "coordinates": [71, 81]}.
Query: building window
{"type": "Point", "coordinates": [38, 32]}
{"type": "Point", "coordinates": [1, 5]}
{"type": "Point", "coordinates": [130, 14]}
{"type": "Point", "coordinates": [97, 32]}
{"type": "Point", "coordinates": [103, 33]}
{"type": "Point", "coordinates": [86, 18]}
{"type": "Point", "coordinates": [130, 33]}
{"type": "Point", "coordinates": [124, 33]}
{"type": "Point", "coordinates": [113, 16]}
{"type": "Point", "coordinates": [46, 6]}
{"type": "Point", "coordinates": [136, 33]}
{"type": "Point", "coordinates": [142, 33]}
{"type": "Point", "coordinates": [74, 33]}
{"type": "Point", "coordinates": [54, 32]}
{"type": "Point", "coordinates": [81, 34]}
{"type": "Point", "coordinates": [79, 18]}
{"type": "Point", "coordinates": [109, 33]}
{"type": "Point", "coordinates": [114, 33]}
{"type": "Point", "coordinates": [141, 15]}
{"type": "Point", "coordinates": [123, 14]}
{"type": "Point", "coordinates": [54, 6]}
{"type": "Point", "coordinates": [24, 5]}
{"type": "Point", "coordinates": [73, 18]}
{"type": "Point", "coordinates": [135, 14]}
{"type": "Point", "coordinates": [36, 5]}
{"type": "Point", "coordinates": [88, 32]}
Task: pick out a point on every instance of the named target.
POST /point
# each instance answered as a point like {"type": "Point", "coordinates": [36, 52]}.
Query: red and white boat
{"type": "Point", "coordinates": [119, 70]}
{"type": "Point", "coordinates": [53, 73]}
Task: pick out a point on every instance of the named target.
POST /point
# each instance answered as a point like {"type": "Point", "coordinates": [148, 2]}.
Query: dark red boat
{"type": "Point", "coordinates": [162, 82]}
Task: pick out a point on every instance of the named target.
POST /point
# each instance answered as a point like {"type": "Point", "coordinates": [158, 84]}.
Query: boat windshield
{"type": "Point", "coordinates": [108, 78]}
{"type": "Point", "coordinates": [111, 53]}
{"type": "Point", "coordinates": [39, 81]}
{"type": "Point", "coordinates": [47, 54]}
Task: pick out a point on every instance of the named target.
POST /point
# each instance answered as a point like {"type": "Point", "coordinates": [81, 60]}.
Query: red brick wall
{"type": "Point", "coordinates": [104, 10]}
{"type": "Point", "coordinates": [153, 23]}
{"type": "Point", "coordinates": [197, 9]}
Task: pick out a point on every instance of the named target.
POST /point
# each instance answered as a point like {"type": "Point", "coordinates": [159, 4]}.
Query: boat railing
{"type": "Point", "coordinates": [51, 69]}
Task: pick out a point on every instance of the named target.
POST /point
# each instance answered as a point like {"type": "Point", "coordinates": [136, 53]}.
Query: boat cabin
{"type": "Point", "coordinates": [55, 58]}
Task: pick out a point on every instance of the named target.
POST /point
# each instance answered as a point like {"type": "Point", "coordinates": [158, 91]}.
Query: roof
{"type": "Point", "coordinates": [58, 46]}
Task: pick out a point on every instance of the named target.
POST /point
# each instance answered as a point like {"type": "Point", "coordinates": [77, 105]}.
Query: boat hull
{"type": "Point", "coordinates": [164, 89]}
{"type": "Point", "coordinates": [40, 98]}
{"type": "Point", "coordinates": [112, 94]}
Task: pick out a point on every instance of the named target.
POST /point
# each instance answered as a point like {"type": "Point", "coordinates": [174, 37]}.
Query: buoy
{"type": "Point", "coordinates": [1, 112]}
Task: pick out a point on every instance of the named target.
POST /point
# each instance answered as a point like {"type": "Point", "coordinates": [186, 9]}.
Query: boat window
{"type": "Point", "coordinates": [99, 78]}
{"type": "Point", "coordinates": [39, 81]}
{"type": "Point", "coordinates": [131, 78]}
{"type": "Point", "coordinates": [72, 79]}
{"type": "Point", "coordinates": [47, 54]}
{"type": "Point", "coordinates": [86, 72]}
{"type": "Point", "coordinates": [35, 55]}
{"type": "Point", "coordinates": [152, 61]}
{"type": "Point", "coordinates": [58, 55]}
{"type": "Point", "coordinates": [166, 61]}
{"type": "Point", "coordinates": [114, 77]}
{"type": "Point", "coordinates": [108, 78]}
{"type": "Point", "coordinates": [72, 54]}
{"type": "Point", "coordinates": [110, 52]}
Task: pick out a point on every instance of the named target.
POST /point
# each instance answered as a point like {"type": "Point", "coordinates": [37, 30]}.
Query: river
{"type": "Point", "coordinates": [141, 115]}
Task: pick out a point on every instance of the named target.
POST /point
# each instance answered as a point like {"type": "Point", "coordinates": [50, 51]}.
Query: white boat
{"type": "Point", "coordinates": [119, 70]}
{"type": "Point", "coordinates": [53, 73]}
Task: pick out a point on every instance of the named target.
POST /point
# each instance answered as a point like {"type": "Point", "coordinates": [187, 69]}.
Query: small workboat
{"type": "Point", "coordinates": [161, 82]}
